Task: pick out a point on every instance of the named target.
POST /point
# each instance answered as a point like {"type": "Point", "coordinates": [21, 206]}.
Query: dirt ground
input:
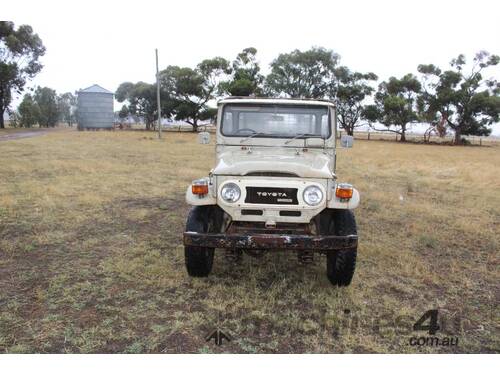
{"type": "Point", "coordinates": [91, 256]}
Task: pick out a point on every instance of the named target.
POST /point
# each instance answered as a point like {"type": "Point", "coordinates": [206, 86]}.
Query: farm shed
{"type": "Point", "coordinates": [95, 108]}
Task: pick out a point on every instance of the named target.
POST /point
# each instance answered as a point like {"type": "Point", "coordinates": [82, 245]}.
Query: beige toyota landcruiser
{"type": "Point", "coordinates": [273, 187]}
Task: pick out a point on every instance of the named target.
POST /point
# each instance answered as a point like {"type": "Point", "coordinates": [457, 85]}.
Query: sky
{"type": "Point", "coordinates": [109, 42]}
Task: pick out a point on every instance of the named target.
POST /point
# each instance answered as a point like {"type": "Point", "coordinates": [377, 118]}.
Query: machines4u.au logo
{"type": "Point", "coordinates": [429, 323]}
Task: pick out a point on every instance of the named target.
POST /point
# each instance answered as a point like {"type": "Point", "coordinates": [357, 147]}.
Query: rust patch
{"type": "Point", "coordinates": [270, 241]}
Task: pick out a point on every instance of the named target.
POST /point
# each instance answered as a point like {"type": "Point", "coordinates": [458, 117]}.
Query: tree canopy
{"type": "Point", "coordinates": [191, 90]}
{"type": "Point", "coordinates": [123, 113]}
{"type": "Point", "coordinates": [28, 112]}
{"type": "Point", "coordinates": [463, 100]}
{"type": "Point", "coordinates": [67, 108]}
{"type": "Point", "coordinates": [46, 100]}
{"type": "Point", "coordinates": [142, 100]}
{"type": "Point", "coordinates": [45, 108]}
{"type": "Point", "coordinates": [246, 78]}
{"type": "Point", "coordinates": [396, 104]}
{"type": "Point", "coordinates": [20, 50]}
{"type": "Point", "coordinates": [351, 91]}
{"type": "Point", "coordinates": [308, 74]}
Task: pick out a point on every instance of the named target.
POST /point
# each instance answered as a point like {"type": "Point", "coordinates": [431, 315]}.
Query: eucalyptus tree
{"type": "Point", "coordinates": [303, 74]}
{"type": "Point", "coordinates": [141, 99]}
{"type": "Point", "coordinates": [20, 50]}
{"type": "Point", "coordinates": [48, 109]}
{"type": "Point", "coordinates": [351, 90]}
{"type": "Point", "coordinates": [67, 107]}
{"type": "Point", "coordinates": [190, 91]}
{"type": "Point", "coordinates": [246, 79]}
{"type": "Point", "coordinates": [462, 99]}
{"type": "Point", "coordinates": [28, 112]}
{"type": "Point", "coordinates": [396, 105]}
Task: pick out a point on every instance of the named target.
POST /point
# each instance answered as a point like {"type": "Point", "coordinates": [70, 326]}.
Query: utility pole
{"type": "Point", "coordinates": [158, 95]}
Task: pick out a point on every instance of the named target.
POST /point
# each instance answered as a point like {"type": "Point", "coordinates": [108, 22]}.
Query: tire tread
{"type": "Point", "coordinates": [341, 264]}
{"type": "Point", "coordinates": [199, 260]}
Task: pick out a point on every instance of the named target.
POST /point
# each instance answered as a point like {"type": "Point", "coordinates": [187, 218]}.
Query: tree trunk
{"type": "Point", "coordinates": [458, 136]}
{"type": "Point", "coordinates": [195, 126]}
{"type": "Point", "coordinates": [403, 133]}
{"type": "Point", "coordinates": [3, 107]}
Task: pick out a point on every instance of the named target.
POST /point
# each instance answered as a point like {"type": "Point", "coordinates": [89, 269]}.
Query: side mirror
{"type": "Point", "coordinates": [204, 138]}
{"type": "Point", "coordinates": [346, 141]}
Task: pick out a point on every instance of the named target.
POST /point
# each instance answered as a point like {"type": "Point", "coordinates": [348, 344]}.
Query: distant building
{"type": "Point", "coordinates": [95, 108]}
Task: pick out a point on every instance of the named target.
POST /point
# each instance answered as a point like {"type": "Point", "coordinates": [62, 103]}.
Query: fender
{"type": "Point", "coordinates": [197, 200]}
{"type": "Point", "coordinates": [349, 205]}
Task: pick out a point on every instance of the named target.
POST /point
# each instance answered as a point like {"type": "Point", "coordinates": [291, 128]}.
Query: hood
{"type": "Point", "coordinates": [308, 164]}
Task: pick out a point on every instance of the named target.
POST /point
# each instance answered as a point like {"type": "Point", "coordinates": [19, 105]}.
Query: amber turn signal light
{"type": "Point", "coordinates": [344, 191]}
{"type": "Point", "coordinates": [199, 187]}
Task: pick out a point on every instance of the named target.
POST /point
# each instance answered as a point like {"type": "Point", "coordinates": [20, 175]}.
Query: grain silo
{"type": "Point", "coordinates": [95, 108]}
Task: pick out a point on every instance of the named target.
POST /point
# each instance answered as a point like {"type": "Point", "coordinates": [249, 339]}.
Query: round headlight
{"type": "Point", "coordinates": [313, 195]}
{"type": "Point", "coordinates": [230, 192]}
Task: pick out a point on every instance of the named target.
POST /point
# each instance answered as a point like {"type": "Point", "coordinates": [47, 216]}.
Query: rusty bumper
{"type": "Point", "coordinates": [270, 241]}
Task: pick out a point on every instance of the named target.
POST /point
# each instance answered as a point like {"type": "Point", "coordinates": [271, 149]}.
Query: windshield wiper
{"type": "Point", "coordinates": [308, 135]}
{"type": "Point", "coordinates": [251, 136]}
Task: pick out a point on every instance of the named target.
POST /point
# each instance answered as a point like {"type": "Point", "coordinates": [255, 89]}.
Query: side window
{"type": "Point", "coordinates": [228, 122]}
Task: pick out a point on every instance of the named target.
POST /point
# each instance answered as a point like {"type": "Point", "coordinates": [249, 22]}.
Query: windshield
{"type": "Point", "coordinates": [281, 121]}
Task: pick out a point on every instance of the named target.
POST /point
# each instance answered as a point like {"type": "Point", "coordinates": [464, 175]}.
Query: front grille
{"type": "Point", "coordinates": [271, 195]}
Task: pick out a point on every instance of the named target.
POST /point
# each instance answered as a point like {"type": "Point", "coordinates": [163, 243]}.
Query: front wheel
{"type": "Point", "coordinates": [199, 259]}
{"type": "Point", "coordinates": [340, 264]}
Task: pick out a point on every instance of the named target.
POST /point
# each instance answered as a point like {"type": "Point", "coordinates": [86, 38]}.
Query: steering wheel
{"type": "Point", "coordinates": [245, 130]}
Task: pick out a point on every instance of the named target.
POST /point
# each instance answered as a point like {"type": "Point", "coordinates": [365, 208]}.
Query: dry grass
{"type": "Point", "coordinates": [91, 257]}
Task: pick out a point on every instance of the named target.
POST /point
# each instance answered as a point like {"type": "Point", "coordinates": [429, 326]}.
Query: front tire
{"type": "Point", "coordinates": [199, 260]}
{"type": "Point", "coordinates": [340, 264]}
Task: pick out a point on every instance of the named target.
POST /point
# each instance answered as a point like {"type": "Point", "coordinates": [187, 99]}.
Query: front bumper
{"type": "Point", "coordinates": [264, 241]}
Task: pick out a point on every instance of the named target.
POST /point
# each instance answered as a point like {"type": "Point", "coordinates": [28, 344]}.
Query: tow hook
{"type": "Point", "coordinates": [270, 224]}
